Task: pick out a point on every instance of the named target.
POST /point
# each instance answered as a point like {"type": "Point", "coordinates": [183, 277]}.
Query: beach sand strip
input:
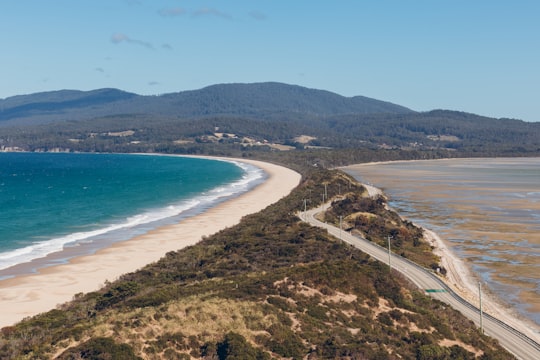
{"type": "Point", "coordinates": [28, 295]}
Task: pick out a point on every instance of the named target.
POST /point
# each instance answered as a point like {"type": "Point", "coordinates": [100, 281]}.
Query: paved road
{"type": "Point", "coordinates": [514, 341]}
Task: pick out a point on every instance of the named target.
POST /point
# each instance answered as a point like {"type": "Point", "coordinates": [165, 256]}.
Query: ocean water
{"type": "Point", "coordinates": [486, 210]}
{"type": "Point", "coordinates": [53, 202]}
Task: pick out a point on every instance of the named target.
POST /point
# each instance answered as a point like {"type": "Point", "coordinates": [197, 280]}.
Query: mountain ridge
{"type": "Point", "coordinates": [239, 99]}
{"type": "Point", "coordinates": [254, 113]}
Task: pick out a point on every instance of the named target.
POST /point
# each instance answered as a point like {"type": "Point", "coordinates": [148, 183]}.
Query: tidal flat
{"type": "Point", "coordinates": [487, 211]}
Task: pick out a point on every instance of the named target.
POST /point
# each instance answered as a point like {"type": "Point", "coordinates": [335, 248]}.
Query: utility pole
{"type": "Point", "coordinates": [340, 226]}
{"type": "Point", "coordinates": [481, 311]}
{"type": "Point", "coordinates": [326, 191]}
{"type": "Point", "coordinates": [389, 254]}
{"type": "Point", "coordinates": [305, 209]}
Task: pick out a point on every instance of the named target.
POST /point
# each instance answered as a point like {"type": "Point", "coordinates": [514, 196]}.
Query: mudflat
{"type": "Point", "coordinates": [484, 220]}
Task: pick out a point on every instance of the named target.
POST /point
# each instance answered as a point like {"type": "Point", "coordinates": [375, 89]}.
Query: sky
{"type": "Point", "coordinates": [477, 56]}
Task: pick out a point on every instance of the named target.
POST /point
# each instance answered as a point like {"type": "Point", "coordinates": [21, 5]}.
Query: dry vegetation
{"type": "Point", "coordinates": [270, 287]}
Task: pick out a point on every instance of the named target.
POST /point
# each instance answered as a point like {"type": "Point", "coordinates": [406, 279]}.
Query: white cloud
{"type": "Point", "coordinates": [118, 38]}
{"type": "Point", "coordinates": [211, 12]}
{"type": "Point", "coordinates": [171, 12]}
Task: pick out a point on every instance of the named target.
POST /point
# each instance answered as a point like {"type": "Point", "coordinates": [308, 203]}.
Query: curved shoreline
{"type": "Point", "coordinates": [83, 239]}
{"type": "Point", "coordinates": [29, 295]}
{"type": "Point", "coordinates": [459, 277]}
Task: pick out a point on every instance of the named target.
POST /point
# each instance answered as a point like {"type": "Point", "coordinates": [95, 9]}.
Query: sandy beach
{"type": "Point", "coordinates": [461, 280]}
{"type": "Point", "coordinates": [29, 295]}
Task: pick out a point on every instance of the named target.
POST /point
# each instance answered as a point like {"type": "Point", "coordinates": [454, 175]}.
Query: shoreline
{"type": "Point", "coordinates": [123, 229]}
{"type": "Point", "coordinates": [459, 277]}
{"type": "Point", "coordinates": [28, 295]}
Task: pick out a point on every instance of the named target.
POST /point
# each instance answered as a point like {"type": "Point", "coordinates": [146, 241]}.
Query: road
{"type": "Point", "coordinates": [514, 341]}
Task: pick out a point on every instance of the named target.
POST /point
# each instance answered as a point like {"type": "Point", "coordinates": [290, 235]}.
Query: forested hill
{"type": "Point", "coordinates": [61, 105]}
{"type": "Point", "coordinates": [260, 100]}
{"type": "Point", "coordinates": [231, 119]}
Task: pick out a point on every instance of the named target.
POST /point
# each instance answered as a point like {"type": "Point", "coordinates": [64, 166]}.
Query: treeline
{"type": "Point", "coordinates": [443, 129]}
{"type": "Point", "coordinates": [269, 100]}
{"type": "Point", "coordinates": [436, 131]}
{"type": "Point", "coordinates": [109, 120]}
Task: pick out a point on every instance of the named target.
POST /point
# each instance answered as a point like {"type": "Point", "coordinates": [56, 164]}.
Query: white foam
{"type": "Point", "coordinates": [252, 175]}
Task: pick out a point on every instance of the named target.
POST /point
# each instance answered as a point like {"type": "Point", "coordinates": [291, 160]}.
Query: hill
{"type": "Point", "coordinates": [271, 287]}
{"type": "Point", "coordinates": [242, 119]}
{"type": "Point", "coordinates": [259, 100]}
{"type": "Point", "coordinates": [60, 105]}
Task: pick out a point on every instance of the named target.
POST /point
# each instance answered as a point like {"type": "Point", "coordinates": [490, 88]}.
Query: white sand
{"type": "Point", "coordinates": [29, 295]}
{"type": "Point", "coordinates": [460, 279]}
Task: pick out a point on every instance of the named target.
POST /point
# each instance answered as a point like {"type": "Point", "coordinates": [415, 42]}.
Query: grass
{"type": "Point", "coordinates": [272, 286]}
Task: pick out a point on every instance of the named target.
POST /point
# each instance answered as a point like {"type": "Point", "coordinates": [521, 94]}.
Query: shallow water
{"type": "Point", "coordinates": [486, 210]}
{"type": "Point", "coordinates": [75, 204]}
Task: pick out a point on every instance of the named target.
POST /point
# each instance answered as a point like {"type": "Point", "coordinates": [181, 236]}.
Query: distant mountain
{"type": "Point", "coordinates": [260, 100]}
{"type": "Point", "coordinates": [61, 104]}
{"type": "Point", "coordinates": [261, 112]}
{"type": "Point", "coordinates": [271, 97]}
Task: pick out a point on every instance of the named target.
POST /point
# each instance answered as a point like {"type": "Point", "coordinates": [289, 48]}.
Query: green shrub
{"type": "Point", "coordinates": [235, 347]}
{"type": "Point", "coordinates": [280, 303]}
{"type": "Point", "coordinates": [318, 312]}
{"type": "Point", "coordinates": [285, 342]}
{"type": "Point", "coordinates": [432, 352]}
{"type": "Point", "coordinates": [100, 348]}
{"type": "Point", "coordinates": [116, 293]}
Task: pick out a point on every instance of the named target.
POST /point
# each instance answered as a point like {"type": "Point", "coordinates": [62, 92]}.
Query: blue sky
{"type": "Point", "coordinates": [479, 56]}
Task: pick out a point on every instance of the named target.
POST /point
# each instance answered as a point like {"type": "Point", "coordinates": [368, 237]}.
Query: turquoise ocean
{"type": "Point", "coordinates": [78, 203]}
